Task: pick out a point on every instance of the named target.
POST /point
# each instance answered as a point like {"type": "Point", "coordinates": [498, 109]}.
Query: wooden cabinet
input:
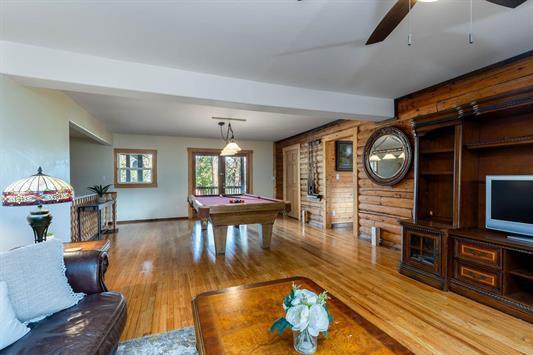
{"type": "Point", "coordinates": [498, 273]}
{"type": "Point", "coordinates": [422, 248]}
{"type": "Point", "coordinates": [446, 244]}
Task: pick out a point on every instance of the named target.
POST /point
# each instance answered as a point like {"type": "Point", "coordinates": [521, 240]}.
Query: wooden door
{"type": "Point", "coordinates": [291, 179]}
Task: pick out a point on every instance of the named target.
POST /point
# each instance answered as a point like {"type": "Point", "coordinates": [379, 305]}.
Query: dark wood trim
{"type": "Point", "coordinates": [152, 220]}
{"type": "Point", "coordinates": [312, 130]}
{"type": "Point", "coordinates": [118, 185]}
{"type": "Point", "coordinates": [476, 72]}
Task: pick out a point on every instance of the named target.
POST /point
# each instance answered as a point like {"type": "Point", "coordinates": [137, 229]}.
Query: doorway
{"type": "Point", "coordinates": [291, 178]}
{"type": "Point", "coordinates": [340, 200]}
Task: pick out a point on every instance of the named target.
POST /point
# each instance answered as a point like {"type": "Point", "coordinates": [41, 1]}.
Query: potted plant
{"type": "Point", "coordinates": [100, 191]}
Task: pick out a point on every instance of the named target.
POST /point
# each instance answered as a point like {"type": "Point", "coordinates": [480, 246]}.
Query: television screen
{"type": "Point", "coordinates": [512, 200]}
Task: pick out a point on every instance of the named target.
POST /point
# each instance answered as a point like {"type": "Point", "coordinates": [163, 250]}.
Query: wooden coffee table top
{"type": "Point", "coordinates": [237, 320]}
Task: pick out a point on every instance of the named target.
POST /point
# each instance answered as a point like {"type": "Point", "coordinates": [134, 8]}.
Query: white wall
{"type": "Point", "coordinates": [169, 198]}
{"type": "Point", "coordinates": [34, 131]}
{"type": "Point", "coordinates": [91, 164]}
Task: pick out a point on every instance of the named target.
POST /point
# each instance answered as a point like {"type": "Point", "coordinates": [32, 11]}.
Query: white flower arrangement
{"type": "Point", "coordinates": [304, 310]}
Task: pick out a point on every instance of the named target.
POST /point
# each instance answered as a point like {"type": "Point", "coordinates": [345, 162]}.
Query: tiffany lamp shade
{"type": "Point", "coordinates": [38, 190]}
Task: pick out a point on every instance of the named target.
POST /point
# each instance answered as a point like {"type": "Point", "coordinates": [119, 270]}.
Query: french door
{"type": "Point", "coordinates": [212, 175]}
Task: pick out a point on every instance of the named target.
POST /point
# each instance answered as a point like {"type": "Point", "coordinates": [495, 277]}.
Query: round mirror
{"type": "Point", "coordinates": [387, 156]}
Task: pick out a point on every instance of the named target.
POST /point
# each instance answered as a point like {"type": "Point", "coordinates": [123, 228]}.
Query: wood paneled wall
{"type": "Point", "coordinates": [383, 206]}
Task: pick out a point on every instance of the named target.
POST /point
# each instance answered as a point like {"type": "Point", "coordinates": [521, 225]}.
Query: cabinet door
{"type": "Point", "coordinates": [422, 250]}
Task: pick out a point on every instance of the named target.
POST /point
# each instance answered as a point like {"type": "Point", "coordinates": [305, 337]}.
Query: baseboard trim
{"type": "Point", "coordinates": [343, 225]}
{"type": "Point", "coordinates": [152, 220]}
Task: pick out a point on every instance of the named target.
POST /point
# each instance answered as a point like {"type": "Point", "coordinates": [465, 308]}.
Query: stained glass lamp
{"type": "Point", "coordinates": [38, 190]}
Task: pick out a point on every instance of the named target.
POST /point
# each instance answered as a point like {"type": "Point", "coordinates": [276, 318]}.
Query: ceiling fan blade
{"type": "Point", "coordinates": [392, 19]}
{"type": "Point", "coordinates": [508, 3]}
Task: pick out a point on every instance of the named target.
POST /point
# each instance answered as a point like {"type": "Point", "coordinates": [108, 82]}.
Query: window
{"type": "Point", "coordinates": [211, 174]}
{"type": "Point", "coordinates": [135, 168]}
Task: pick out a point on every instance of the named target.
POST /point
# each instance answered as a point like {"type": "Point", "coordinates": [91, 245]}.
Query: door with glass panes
{"type": "Point", "coordinates": [214, 175]}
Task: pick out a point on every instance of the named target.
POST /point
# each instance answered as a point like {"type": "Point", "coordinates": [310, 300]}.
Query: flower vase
{"type": "Point", "coordinates": [304, 343]}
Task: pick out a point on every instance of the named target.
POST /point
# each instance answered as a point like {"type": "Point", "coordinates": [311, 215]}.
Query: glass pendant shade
{"type": "Point", "coordinates": [389, 156]}
{"type": "Point", "coordinates": [230, 149]}
{"type": "Point", "coordinates": [374, 157]}
{"type": "Point", "coordinates": [38, 189]}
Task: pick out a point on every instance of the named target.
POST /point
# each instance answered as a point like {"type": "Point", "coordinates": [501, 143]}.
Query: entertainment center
{"type": "Point", "coordinates": [447, 244]}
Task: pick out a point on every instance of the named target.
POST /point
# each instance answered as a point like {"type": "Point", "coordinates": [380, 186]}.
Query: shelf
{"type": "Point", "coordinates": [522, 297]}
{"type": "Point", "coordinates": [502, 142]}
{"type": "Point", "coordinates": [437, 151]}
{"type": "Point", "coordinates": [437, 173]}
{"type": "Point", "coordinates": [526, 274]}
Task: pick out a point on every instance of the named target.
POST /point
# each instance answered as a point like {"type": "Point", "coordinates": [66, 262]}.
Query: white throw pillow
{"type": "Point", "coordinates": [11, 329]}
{"type": "Point", "coordinates": [36, 280]}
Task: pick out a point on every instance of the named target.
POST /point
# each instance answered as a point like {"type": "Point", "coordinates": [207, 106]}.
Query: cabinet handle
{"type": "Point", "coordinates": [477, 252]}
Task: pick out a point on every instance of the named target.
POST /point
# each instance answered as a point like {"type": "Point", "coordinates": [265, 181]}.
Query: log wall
{"type": "Point", "coordinates": [339, 185]}
{"type": "Point", "coordinates": [383, 206]}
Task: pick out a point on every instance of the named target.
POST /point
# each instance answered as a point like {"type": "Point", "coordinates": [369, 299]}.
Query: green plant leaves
{"type": "Point", "coordinates": [280, 325]}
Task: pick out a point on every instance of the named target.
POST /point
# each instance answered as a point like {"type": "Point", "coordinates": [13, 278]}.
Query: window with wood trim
{"type": "Point", "coordinates": [135, 168]}
{"type": "Point", "coordinates": [211, 174]}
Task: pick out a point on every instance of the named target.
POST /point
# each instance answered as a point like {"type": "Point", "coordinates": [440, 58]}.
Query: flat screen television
{"type": "Point", "coordinates": [509, 206]}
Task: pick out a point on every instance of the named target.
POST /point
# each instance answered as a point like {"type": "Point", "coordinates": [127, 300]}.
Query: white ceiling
{"type": "Point", "coordinates": [314, 44]}
{"type": "Point", "coordinates": [173, 118]}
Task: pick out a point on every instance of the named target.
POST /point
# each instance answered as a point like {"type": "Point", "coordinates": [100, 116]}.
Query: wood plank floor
{"type": "Point", "coordinates": [160, 266]}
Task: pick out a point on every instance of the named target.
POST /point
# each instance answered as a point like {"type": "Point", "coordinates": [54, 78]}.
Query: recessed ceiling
{"type": "Point", "coordinates": [173, 118]}
{"type": "Point", "coordinates": [311, 44]}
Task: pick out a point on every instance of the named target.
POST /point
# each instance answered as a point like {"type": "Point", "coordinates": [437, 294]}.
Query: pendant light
{"type": "Point", "coordinates": [389, 156]}
{"type": "Point", "coordinates": [231, 147]}
{"type": "Point", "coordinates": [374, 157]}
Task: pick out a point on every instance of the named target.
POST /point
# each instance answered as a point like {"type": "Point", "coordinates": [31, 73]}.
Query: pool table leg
{"type": "Point", "coordinates": [266, 234]}
{"type": "Point", "coordinates": [220, 233]}
{"type": "Point", "coordinates": [204, 223]}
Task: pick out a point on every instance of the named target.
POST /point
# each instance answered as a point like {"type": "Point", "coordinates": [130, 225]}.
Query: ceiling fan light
{"type": "Point", "coordinates": [389, 156]}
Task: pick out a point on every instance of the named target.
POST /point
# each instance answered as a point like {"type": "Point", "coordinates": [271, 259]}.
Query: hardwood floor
{"type": "Point", "coordinates": [160, 266]}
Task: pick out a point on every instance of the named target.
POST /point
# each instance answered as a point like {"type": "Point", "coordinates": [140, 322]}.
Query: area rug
{"type": "Point", "coordinates": [177, 342]}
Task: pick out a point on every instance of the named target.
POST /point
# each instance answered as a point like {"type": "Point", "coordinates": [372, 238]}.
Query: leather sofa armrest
{"type": "Point", "coordinates": [85, 270]}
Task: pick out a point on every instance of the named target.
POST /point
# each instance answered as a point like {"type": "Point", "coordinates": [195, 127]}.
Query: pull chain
{"type": "Point", "coordinates": [471, 35]}
{"type": "Point", "coordinates": [410, 36]}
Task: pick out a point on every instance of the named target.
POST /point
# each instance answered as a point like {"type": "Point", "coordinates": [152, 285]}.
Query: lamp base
{"type": "Point", "coordinates": [39, 221]}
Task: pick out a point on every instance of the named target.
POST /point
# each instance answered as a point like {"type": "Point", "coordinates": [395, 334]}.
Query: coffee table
{"type": "Point", "coordinates": [237, 320]}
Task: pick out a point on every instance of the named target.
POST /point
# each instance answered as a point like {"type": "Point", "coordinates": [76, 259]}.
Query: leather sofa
{"type": "Point", "coordinates": [93, 326]}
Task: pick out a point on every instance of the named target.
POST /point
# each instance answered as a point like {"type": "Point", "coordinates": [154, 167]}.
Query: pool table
{"type": "Point", "coordinates": [251, 209]}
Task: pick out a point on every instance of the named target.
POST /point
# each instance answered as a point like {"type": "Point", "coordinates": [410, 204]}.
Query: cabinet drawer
{"type": "Point", "coordinates": [477, 252]}
{"type": "Point", "coordinates": [476, 276]}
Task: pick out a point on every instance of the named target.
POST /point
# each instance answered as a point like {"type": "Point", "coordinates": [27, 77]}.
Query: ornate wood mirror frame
{"type": "Point", "coordinates": [396, 149]}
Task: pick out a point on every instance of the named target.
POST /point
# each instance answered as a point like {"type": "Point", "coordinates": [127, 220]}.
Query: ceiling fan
{"type": "Point", "coordinates": [397, 13]}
